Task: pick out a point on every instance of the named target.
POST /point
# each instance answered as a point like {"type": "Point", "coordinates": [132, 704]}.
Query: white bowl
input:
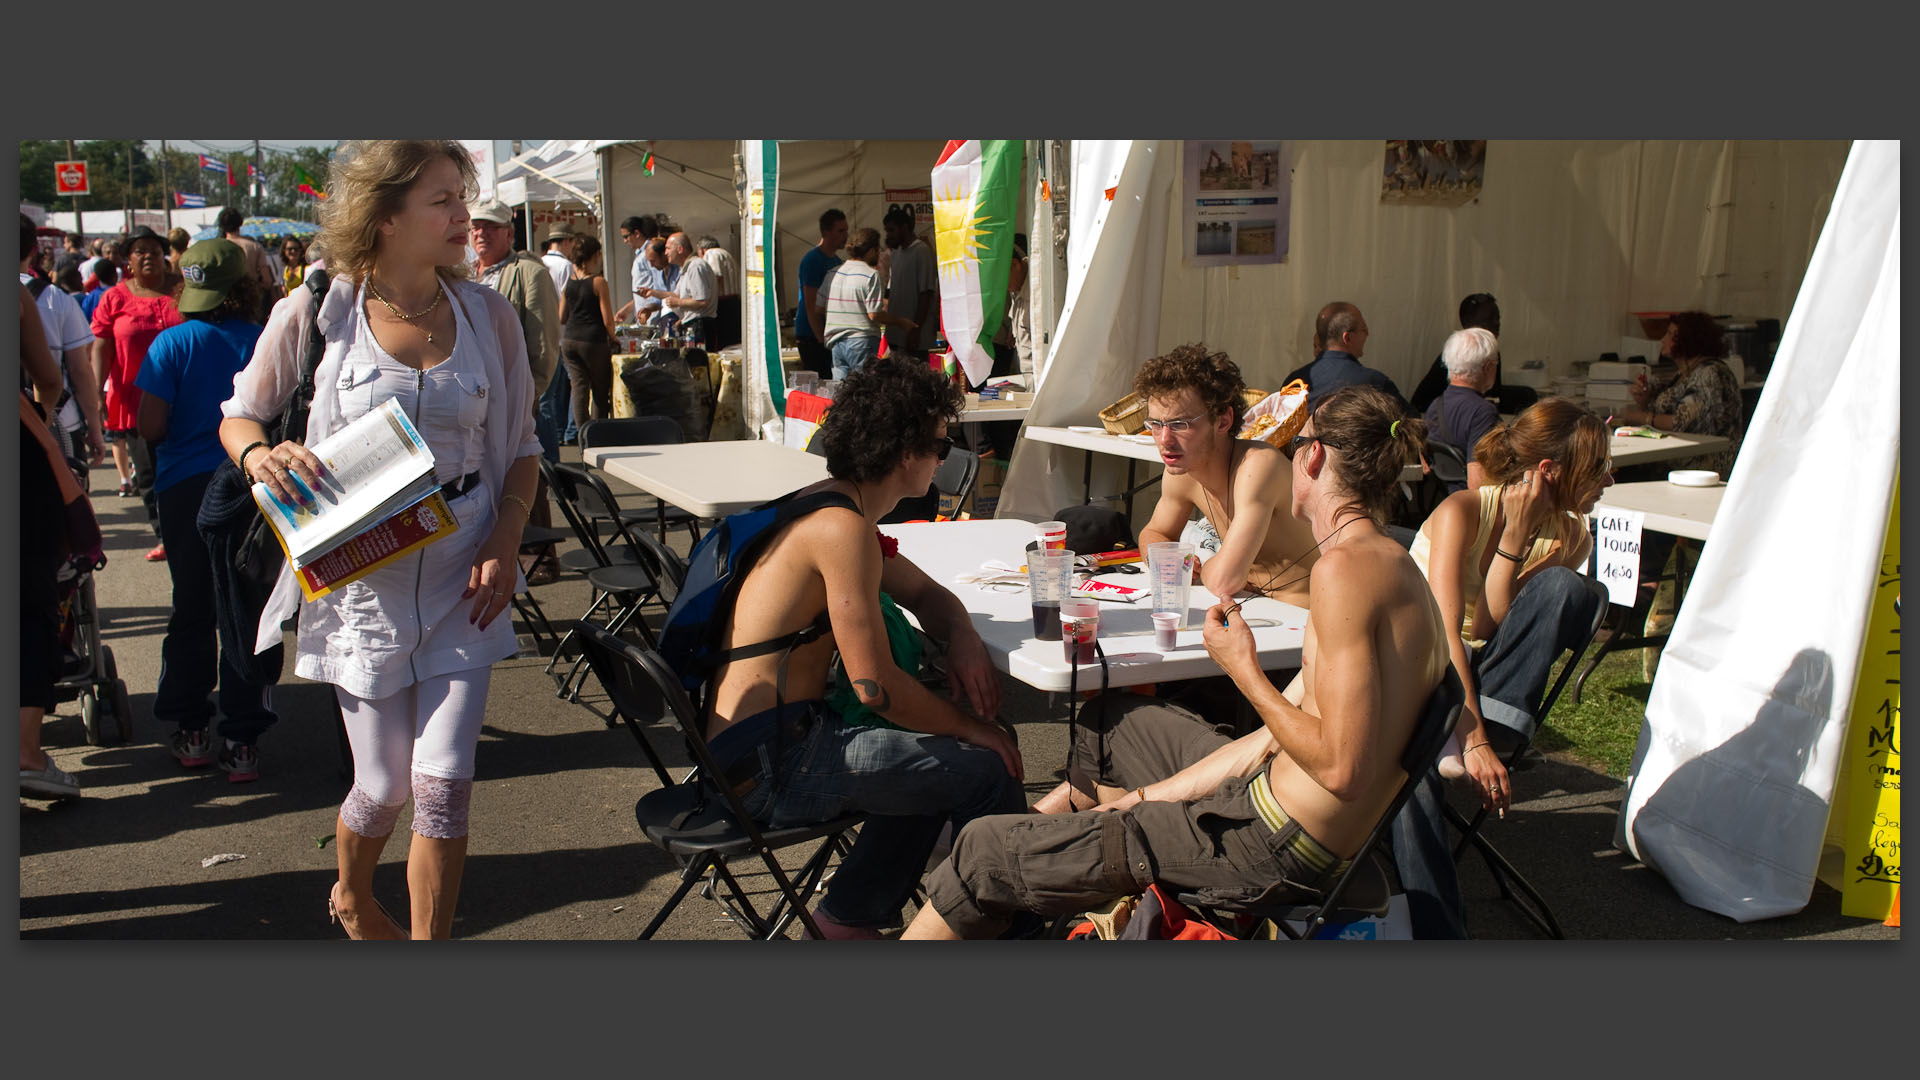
{"type": "Point", "coordinates": [1694, 478]}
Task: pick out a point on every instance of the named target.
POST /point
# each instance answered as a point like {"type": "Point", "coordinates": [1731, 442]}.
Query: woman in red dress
{"type": "Point", "coordinates": [125, 321]}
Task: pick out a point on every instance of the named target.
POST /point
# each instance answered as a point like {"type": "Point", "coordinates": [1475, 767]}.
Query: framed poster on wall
{"type": "Point", "coordinates": [1235, 202]}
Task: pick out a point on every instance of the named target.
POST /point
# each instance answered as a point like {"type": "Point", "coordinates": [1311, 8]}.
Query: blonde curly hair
{"type": "Point", "coordinates": [367, 182]}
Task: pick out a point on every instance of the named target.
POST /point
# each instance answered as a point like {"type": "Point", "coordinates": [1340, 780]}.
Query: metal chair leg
{"type": "Point", "coordinates": [694, 871]}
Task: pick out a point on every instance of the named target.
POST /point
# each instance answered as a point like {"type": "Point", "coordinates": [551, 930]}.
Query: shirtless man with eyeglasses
{"type": "Point", "coordinates": [1193, 409]}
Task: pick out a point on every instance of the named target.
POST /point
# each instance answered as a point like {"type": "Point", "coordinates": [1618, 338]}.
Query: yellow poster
{"type": "Point", "coordinates": [1867, 801]}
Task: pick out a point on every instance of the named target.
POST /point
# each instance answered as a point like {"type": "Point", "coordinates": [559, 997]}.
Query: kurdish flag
{"type": "Point", "coordinates": [976, 193]}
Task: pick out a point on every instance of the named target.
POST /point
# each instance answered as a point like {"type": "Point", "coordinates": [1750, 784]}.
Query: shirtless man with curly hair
{"type": "Point", "coordinates": [1243, 487]}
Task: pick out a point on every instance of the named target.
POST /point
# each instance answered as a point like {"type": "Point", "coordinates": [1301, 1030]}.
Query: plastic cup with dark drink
{"type": "Point", "coordinates": [1079, 626]}
{"type": "Point", "coordinates": [1049, 581]}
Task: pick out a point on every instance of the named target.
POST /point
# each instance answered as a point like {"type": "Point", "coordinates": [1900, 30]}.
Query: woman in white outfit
{"type": "Point", "coordinates": [408, 648]}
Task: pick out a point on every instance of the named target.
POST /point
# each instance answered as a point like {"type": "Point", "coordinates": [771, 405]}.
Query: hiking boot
{"type": "Point", "coordinates": [241, 762]}
{"type": "Point", "coordinates": [193, 748]}
{"type": "Point", "coordinates": [49, 781]}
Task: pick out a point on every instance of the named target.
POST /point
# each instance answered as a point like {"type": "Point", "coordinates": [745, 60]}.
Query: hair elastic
{"type": "Point", "coordinates": [1393, 432]}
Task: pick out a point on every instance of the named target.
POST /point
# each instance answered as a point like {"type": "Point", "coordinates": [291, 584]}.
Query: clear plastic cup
{"type": "Point", "coordinates": [1171, 566]}
{"type": "Point", "coordinates": [1079, 626]}
{"type": "Point", "coordinates": [1049, 584]}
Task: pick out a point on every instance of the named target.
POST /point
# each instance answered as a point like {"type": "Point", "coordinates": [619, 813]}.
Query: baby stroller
{"type": "Point", "coordinates": [88, 671]}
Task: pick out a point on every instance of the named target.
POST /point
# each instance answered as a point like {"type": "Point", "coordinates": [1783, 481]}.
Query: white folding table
{"type": "Point", "coordinates": [1641, 450]}
{"type": "Point", "coordinates": [711, 479]}
{"type": "Point", "coordinates": [1667, 507]}
{"type": "Point", "coordinates": [1003, 614]}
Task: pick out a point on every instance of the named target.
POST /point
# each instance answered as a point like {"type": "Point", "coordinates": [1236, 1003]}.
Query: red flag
{"type": "Point", "coordinates": [233, 178]}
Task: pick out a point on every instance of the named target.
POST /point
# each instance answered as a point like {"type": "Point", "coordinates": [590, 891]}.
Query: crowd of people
{"type": "Point", "coordinates": [188, 368]}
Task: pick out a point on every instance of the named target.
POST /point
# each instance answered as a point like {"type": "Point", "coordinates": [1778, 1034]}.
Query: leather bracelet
{"type": "Point", "coordinates": [1497, 550]}
{"type": "Point", "coordinates": [251, 447]}
{"type": "Point", "coordinates": [526, 510]}
{"type": "Point", "coordinates": [1474, 747]}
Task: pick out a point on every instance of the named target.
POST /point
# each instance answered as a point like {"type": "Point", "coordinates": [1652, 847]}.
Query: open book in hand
{"type": "Point", "coordinates": [377, 501]}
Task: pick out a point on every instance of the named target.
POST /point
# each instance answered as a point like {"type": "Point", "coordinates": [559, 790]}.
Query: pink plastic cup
{"type": "Point", "coordinates": [1079, 626]}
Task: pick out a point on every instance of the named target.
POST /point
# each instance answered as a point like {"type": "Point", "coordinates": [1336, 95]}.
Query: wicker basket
{"type": "Point", "coordinates": [1128, 416]}
{"type": "Point", "coordinates": [1251, 397]}
{"type": "Point", "coordinates": [1292, 396]}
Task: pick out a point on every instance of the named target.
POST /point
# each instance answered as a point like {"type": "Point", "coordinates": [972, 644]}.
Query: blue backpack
{"type": "Point", "coordinates": [691, 638]}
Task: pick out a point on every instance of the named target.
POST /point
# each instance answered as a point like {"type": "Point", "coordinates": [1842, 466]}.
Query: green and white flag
{"type": "Point", "coordinates": [976, 193]}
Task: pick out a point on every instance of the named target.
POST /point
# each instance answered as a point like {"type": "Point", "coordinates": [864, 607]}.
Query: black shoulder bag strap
{"type": "Point", "coordinates": [785, 643]}
{"type": "Point", "coordinates": [293, 422]}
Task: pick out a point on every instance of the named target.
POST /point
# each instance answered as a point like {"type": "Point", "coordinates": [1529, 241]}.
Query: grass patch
{"type": "Point", "coordinates": [1600, 731]}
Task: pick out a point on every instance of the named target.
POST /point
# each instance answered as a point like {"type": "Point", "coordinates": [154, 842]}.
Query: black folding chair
{"type": "Point", "coordinates": [1514, 886]}
{"type": "Point", "coordinates": [700, 821]}
{"type": "Point", "coordinates": [953, 480]}
{"type": "Point", "coordinates": [1361, 890]}
{"type": "Point", "coordinates": [643, 431]}
{"type": "Point", "coordinates": [593, 551]}
{"type": "Point", "coordinates": [619, 577]}
{"type": "Point", "coordinates": [538, 541]}
{"type": "Point", "coordinates": [1446, 465]}
{"type": "Point", "coordinates": [1627, 624]}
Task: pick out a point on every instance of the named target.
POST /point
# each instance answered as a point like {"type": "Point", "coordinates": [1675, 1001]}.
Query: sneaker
{"type": "Point", "coordinates": [158, 554]}
{"type": "Point", "coordinates": [49, 781]}
{"type": "Point", "coordinates": [241, 762]}
{"type": "Point", "coordinates": [193, 748]}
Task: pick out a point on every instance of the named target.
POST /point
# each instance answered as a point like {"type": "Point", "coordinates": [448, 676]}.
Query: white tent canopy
{"type": "Point", "coordinates": [1736, 768]}
{"type": "Point", "coordinates": [556, 171]}
{"type": "Point", "coordinates": [693, 185]}
{"type": "Point", "coordinates": [114, 222]}
{"type": "Point", "coordinates": [1571, 237]}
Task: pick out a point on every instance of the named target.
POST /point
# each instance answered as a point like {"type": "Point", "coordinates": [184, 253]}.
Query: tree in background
{"type": "Point", "coordinates": [107, 161]}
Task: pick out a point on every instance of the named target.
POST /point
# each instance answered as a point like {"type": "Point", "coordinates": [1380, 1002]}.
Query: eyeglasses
{"type": "Point", "coordinates": [941, 446]}
{"type": "Point", "coordinates": [1178, 427]}
{"type": "Point", "coordinates": [1293, 445]}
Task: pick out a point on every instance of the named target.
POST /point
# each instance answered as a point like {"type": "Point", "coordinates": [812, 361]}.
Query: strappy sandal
{"type": "Point", "coordinates": [333, 913]}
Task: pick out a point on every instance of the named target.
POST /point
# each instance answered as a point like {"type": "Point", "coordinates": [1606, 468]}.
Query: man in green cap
{"type": "Point", "coordinates": [187, 374]}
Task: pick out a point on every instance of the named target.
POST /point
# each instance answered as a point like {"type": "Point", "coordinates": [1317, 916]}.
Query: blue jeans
{"type": "Point", "coordinates": [912, 784]}
{"type": "Point", "coordinates": [190, 656]}
{"type": "Point", "coordinates": [553, 413]}
{"type": "Point", "coordinates": [850, 354]}
{"type": "Point", "coordinates": [1553, 612]}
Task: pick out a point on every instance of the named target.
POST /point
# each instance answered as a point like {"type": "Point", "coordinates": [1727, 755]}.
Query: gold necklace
{"type": "Point", "coordinates": [438, 291]}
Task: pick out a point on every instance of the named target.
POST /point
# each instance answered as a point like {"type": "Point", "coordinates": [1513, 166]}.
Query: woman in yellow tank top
{"type": "Point", "coordinates": [1501, 560]}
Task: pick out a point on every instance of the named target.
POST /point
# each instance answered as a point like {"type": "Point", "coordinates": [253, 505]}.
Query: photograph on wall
{"type": "Point", "coordinates": [1236, 201]}
{"type": "Point", "coordinates": [1436, 172]}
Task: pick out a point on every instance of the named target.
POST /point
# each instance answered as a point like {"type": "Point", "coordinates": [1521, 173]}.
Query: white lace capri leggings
{"type": "Point", "coordinates": [419, 740]}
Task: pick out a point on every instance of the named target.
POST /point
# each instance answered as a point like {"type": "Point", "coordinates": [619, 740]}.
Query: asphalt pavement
{"type": "Point", "coordinates": [555, 853]}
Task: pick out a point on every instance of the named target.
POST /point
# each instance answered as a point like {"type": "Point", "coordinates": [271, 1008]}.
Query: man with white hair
{"type": "Point", "coordinates": [696, 296]}
{"type": "Point", "coordinates": [1462, 413]}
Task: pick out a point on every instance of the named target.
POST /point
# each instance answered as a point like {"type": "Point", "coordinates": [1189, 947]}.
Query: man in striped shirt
{"type": "Point", "coordinates": [855, 313]}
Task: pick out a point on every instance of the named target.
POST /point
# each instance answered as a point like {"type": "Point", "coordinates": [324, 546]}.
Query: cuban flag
{"type": "Point", "coordinates": [213, 165]}
{"type": "Point", "coordinates": [181, 200]}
